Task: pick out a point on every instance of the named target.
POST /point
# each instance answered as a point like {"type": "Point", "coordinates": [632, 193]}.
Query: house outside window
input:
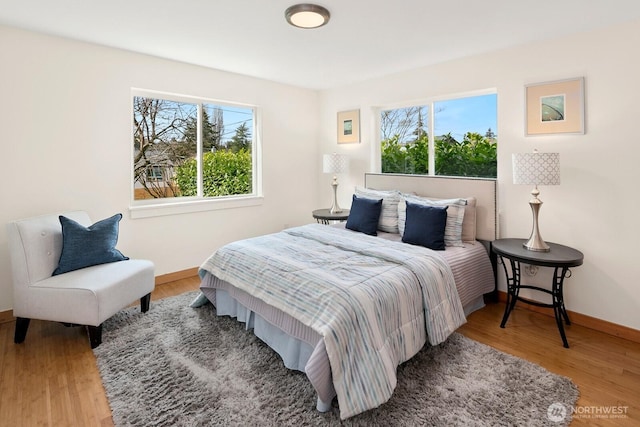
{"type": "Point", "coordinates": [188, 150]}
{"type": "Point", "coordinates": [463, 141]}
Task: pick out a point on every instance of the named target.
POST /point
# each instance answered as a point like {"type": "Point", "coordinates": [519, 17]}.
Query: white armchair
{"type": "Point", "coordinates": [87, 296]}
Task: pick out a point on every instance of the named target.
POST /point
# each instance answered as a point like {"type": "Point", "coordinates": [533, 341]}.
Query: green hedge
{"type": "Point", "coordinates": [475, 156]}
{"type": "Point", "coordinates": [224, 173]}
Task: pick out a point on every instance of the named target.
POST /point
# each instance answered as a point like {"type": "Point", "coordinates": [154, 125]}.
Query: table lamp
{"type": "Point", "coordinates": [335, 163]}
{"type": "Point", "coordinates": [536, 169]}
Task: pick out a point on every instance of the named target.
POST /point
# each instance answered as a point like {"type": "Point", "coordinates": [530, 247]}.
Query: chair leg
{"type": "Point", "coordinates": [22, 324]}
{"type": "Point", "coordinates": [144, 303]}
{"type": "Point", "coordinates": [95, 335]}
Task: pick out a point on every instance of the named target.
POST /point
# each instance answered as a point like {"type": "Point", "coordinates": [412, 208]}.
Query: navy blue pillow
{"type": "Point", "coordinates": [425, 225]}
{"type": "Point", "coordinates": [364, 215]}
{"type": "Point", "coordinates": [86, 246]}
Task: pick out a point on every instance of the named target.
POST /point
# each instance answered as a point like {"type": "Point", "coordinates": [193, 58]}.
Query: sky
{"type": "Point", "coordinates": [233, 117]}
{"type": "Point", "coordinates": [462, 115]}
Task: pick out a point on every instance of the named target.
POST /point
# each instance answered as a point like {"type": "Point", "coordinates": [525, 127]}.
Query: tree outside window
{"type": "Point", "coordinates": [463, 141]}
{"type": "Point", "coordinates": [191, 149]}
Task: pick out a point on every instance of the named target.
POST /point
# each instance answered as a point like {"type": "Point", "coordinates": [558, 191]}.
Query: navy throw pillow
{"type": "Point", "coordinates": [86, 246]}
{"type": "Point", "coordinates": [425, 226]}
{"type": "Point", "coordinates": [364, 215]}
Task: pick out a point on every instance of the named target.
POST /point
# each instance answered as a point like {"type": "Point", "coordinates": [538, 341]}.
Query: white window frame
{"type": "Point", "coordinates": [181, 205]}
{"type": "Point", "coordinates": [429, 102]}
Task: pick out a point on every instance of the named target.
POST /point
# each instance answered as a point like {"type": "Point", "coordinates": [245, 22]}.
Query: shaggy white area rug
{"type": "Point", "coordinates": [182, 366]}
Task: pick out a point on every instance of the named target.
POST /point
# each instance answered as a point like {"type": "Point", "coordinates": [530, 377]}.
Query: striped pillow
{"type": "Point", "coordinates": [389, 216]}
{"type": "Point", "coordinates": [455, 215]}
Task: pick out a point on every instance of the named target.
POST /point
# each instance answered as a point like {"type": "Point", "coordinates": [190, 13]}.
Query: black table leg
{"type": "Point", "coordinates": [513, 288]}
{"type": "Point", "coordinates": [558, 303]}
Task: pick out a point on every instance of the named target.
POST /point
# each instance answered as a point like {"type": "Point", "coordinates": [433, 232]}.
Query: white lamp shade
{"type": "Point", "coordinates": [335, 163]}
{"type": "Point", "coordinates": [536, 168]}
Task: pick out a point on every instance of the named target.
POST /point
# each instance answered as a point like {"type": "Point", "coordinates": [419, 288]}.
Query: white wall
{"type": "Point", "coordinates": [595, 207]}
{"type": "Point", "coordinates": [65, 138]}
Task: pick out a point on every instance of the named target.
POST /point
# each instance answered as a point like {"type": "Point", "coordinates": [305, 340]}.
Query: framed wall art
{"type": "Point", "coordinates": [348, 127]}
{"type": "Point", "coordinates": [555, 107]}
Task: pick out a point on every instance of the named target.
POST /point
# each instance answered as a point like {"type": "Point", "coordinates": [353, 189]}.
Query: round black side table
{"type": "Point", "coordinates": [324, 216]}
{"type": "Point", "coordinates": [560, 258]}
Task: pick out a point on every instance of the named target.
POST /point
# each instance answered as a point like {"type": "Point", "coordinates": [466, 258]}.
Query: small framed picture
{"type": "Point", "coordinates": [555, 107]}
{"type": "Point", "coordinates": [348, 127]}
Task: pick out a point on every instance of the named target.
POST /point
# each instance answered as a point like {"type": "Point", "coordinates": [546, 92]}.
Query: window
{"type": "Point", "coordinates": [187, 149]}
{"type": "Point", "coordinates": [155, 173]}
{"type": "Point", "coordinates": [462, 143]}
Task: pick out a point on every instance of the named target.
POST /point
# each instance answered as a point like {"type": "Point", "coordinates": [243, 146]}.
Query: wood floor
{"type": "Point", "coordinates": [52, 379]}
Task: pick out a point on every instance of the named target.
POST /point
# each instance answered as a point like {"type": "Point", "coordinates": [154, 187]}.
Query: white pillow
{"type": "Point", "coordinates": [389, 215]}
{"type": "Point", "coordinates": [469, 223]}
{"type": "Point", "coordinates": [455, 215]}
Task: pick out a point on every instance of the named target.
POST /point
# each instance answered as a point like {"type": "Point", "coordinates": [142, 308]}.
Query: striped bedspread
{"type": "Point", "coordinates": [375, 303]}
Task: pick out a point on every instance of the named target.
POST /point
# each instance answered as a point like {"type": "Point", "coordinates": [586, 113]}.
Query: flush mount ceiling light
{"type": "Point", "coordinates": [307, 15]}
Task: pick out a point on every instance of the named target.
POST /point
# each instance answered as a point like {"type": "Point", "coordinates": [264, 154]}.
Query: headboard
{"type": "Point", "coordinates": [483, 189]}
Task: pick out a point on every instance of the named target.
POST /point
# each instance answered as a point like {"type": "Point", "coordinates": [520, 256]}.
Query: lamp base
{"type": "Point", "coordinates": [335, 208]}
{"type": "Point", "coordinates": [535, 242]}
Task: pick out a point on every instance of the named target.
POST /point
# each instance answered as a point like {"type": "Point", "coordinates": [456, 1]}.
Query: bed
{"type": "Point", "coordinates": [346, 308]}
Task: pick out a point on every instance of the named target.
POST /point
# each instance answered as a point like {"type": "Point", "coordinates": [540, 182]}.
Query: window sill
{"type": "Point", "coordinates": [177, 208]}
